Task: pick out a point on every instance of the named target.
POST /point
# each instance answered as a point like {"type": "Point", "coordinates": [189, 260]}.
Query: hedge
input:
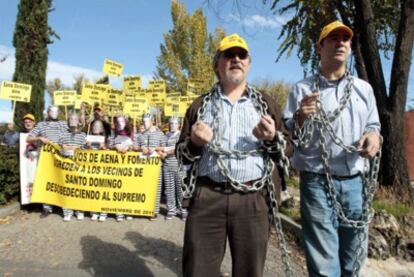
{"type": "Point", "coordinates": [9, 174]}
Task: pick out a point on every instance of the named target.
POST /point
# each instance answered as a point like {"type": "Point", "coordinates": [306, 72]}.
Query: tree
{"type": "Point", "coordinates": [188, 50]}
{"type": "Point", "coordinates": [385, 26]}
{"type": "Point", "coordinates": [279, 90]}
{"type": "Point", "coordinates": [32, 34]}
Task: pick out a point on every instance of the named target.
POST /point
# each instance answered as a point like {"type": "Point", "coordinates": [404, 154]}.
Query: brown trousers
{"type": "Point", "coordinates": [214, 217]}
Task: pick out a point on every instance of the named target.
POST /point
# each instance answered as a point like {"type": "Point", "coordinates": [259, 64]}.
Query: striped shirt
{"type": "Point", "coordinates": [52, 130]}
{"type": "Point", "coordinates": [68, 138]}
{"type": "Point", "coordinates": [236, 123]}
{"type": "Point", "coordinates": [150, 138]}
{"type": "Point", "coordinates": [171, 140]}
{"type": "Point", "coordinates": [120, 139]}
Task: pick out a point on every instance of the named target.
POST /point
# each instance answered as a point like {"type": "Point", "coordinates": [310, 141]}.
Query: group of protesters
{"type": "Point", "coordinates": [117, 135]}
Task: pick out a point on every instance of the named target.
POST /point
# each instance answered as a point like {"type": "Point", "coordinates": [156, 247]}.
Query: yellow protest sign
{"type": "Point", "coordinates": [94, 93]}
{"type": "Point", "coordinates": [64, 97]}
{"type": "Point", "coordinates": [136, 108]}
{"type": "Point", "coordinates": [132, 84]}
{"type": "Point", "coordinates": [15, 91]}
{"type": "Point", "coordinates": [174, 94]}
{"type": "Point", "coordinates": [78, 102]}
{"type": "Point", "coordinates": [195, 86]}
{"type": "Point", "coordinates": [112, 68]}
{"type": "Point", "coordinates": [175, 109]}
{"type": "Point", "coordinates": [158, 98]}
{"type": "Point", "coordinates": [114, 97]}
{"type": "Point", "coordinates": [158, 86]}
{"type": "Point", "coordinates": [98, 181]}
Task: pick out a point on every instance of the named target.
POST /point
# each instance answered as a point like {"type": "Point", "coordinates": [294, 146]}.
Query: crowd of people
{"type": "Point", "coordinates": [232, 137]}
{"type": "Point", "coordinates": [118, 135]}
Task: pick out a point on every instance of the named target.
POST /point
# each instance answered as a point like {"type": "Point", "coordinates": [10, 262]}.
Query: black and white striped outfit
{"type": "Point", "coordinates": [52, 130]}
{"type": "Point", "coordinates": [153, 139]}
{"type": "Point", "coordinates": [96, 146]}
{"type": "Point", "coordinates": [68, 138]}
{"type": "Point", "coordinates": [172, 180]}
{"type": "Point", "coordinates": [113, 141]}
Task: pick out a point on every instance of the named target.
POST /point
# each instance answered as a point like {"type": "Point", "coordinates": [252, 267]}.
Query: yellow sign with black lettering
{"type": "Point", "coordinates": [112, 68]}
{"type": "Point", "coordinates": [64, 97]}
{"type": "Point", "coordinates": [94, 93]}
{"type": "Point", "coordinates": [97, 180]}
{"type": "Point", "coordinates": [132, 84]}
{"type": "Point", "coordinates": [136, 108]}
{"type": "Point", "coordinates": [114, 97]}
{"type": "Point", "coordinates": [175, 109]}
{"type": "Point", "coordinates": [15, 91]}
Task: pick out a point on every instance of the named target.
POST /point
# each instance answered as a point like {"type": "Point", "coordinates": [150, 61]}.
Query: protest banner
{"type": "Point", "coordinates": [97, 180]}
{"type": "Point", "coordinates": [112, 68]}
{"type": "Point", "coordinates": [64, 97]}
{"type": "Point", "coordinates": [28, 153]}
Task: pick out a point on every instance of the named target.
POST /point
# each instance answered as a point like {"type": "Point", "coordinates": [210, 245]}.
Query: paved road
{"type": "Point", "coordinates": [30, 246]}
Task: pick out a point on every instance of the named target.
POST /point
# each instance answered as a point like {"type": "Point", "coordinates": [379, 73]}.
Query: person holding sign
{"type": "Point", "coordinates": [11, 136]}
{"type": "Point", "coordinates": [122, 142]}
{"type": "Point", "coordinates": [71, 140]}
{"type": "Point", "coordinates": [231, 137]}
{"type": "Point", "coordinates": [152, 143]}
{"type": "Point", "coordinates": [28, 123]}
{"type": "Point", "coordinates": [98, 131]}
{"type": "Point", "coordinates": [172, 179]}
{"type": "Point", "coordinates": [47, 131]}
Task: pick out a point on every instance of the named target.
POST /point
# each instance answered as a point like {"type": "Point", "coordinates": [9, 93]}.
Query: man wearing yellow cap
{"type": "Point", "coordinates": [225, 137]}
{"type": "Point", "coordinates": [28, 123]}
{"type": "Point", "coordinates": [334, 119]}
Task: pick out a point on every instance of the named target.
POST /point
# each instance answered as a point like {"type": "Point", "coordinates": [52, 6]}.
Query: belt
{"type": "Point", "coordinates": [336, 177]}
{"type": "Point", "coordinates": [223, 187]}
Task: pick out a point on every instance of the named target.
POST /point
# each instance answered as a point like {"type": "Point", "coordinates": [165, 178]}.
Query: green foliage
{"type": "Point", "coordinates": [279, 90]}
{"type": "Point", "coordinates": [307, 18]}
{"type": "Point", "coordinates": [293, 213]}
{"type": "Point", "coordinates": [396, 209]}
{"type": "Point", "coordinates": [32, 34]}
{"type": "Point", "coordinates": [188, 50]}
{"type": "Point", "coordinates": [9, 174]}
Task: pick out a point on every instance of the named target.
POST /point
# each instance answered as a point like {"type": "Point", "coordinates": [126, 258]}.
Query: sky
{"type": "Point", "coordinates": [131, 31]}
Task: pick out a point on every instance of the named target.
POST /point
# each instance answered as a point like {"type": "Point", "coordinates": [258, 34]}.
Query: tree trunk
{"type": "Point", "coordinates": [397, 173]}
{"type": "Point", "coordinates": [391, 109]}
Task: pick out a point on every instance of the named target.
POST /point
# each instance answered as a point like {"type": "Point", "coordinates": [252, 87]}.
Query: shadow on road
{"type": "Point", "coordinates": [164, 251]}
{"type": "Point", "coordinates": [103, 259]}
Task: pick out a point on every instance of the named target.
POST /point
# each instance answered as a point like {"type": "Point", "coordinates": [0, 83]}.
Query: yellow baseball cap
{"type": "Point", "coordinates": [336, 25]}
{"type": "Point", "coordinates": [29, 116]}
{"type": "Point", "coordinates": [233, 40]}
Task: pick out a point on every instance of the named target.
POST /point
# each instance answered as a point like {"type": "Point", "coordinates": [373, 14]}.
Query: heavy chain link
{"type": "Point", "coordinates": [323, 123]}
{"type": "Point", "coordinates": [222, 154]}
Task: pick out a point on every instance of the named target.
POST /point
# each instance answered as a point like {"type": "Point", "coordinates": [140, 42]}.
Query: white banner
{"type": "Point", "coordinates": [29, 154]}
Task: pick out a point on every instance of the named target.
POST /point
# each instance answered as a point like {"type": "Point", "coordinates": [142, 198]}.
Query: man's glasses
{"type": "Point", "coordinates": [232, 54]}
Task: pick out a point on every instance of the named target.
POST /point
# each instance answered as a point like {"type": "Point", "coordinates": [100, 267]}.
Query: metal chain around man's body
{"type": "Point", "coordinates": [216, 148]}
{"type": "Point", "coordinates": [322, 122]}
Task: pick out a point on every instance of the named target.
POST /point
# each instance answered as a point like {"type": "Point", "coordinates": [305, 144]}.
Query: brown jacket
{"type": "Point", "coordinates": [191, 118]}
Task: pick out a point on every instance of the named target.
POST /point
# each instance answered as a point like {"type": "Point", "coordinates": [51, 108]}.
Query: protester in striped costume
{"type": "Point", "coordinates": [172, 180]}
{"type": "Point", "coordinates": [151, 142]}
{"type": "Point", "coordinates": [72, 139]}
{"type": "Point", "coordinates": [97, 130]}
{"type": "Point", "coordinates": [47, 131]}
{"type": "Point", "coordinates": [122, 142]}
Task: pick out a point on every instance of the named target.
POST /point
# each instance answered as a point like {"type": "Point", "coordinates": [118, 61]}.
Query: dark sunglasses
{"type": "Point", "coordinates": [232, 54]}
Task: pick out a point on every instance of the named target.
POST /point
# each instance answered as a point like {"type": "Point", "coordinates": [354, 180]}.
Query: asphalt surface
{"type": "Point", "coordinates": [30, 246]}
